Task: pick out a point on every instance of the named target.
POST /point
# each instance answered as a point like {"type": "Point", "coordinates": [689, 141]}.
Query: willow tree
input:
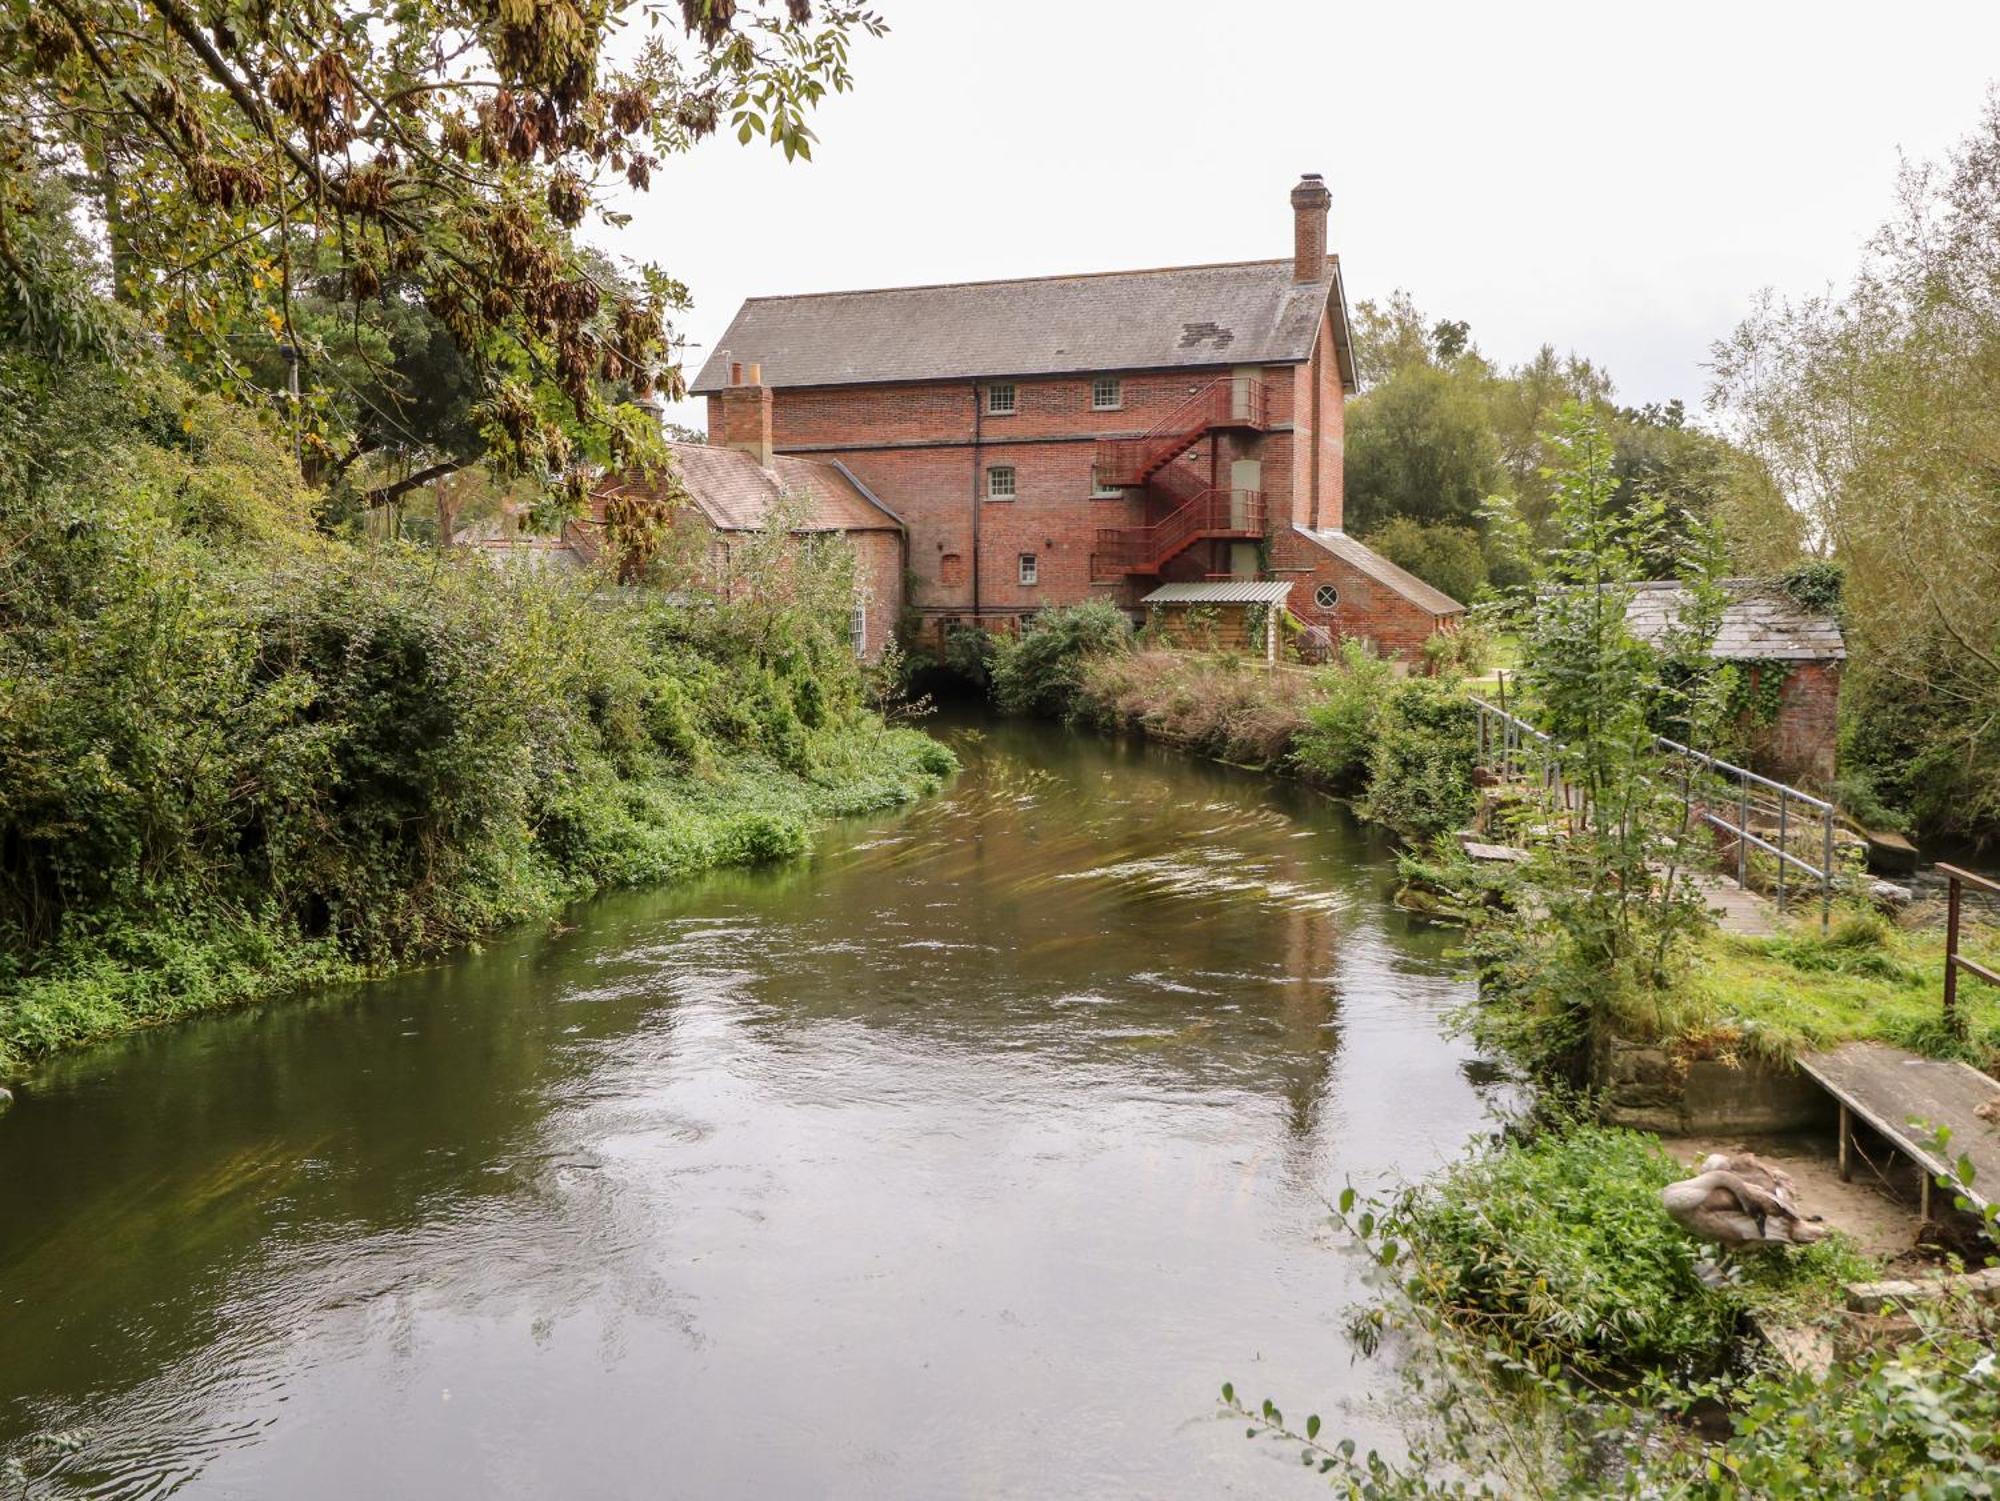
{"type": "Point", "coordinates": [344, 187]}
{"type": "Point", "coordinates": [1878, 410]}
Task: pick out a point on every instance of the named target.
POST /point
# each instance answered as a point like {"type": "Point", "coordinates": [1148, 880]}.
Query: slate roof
{"type": "Point", "coordinates": [737, 494]}
{"type": "Point", "coordinates": [1365, 560]}
{"type": "Point", "coordinates": [1761, 623]}
{"type": "Point", "coordinates": [1222, 592]}
{"type": "Point", "coordinates": [1244, 313]}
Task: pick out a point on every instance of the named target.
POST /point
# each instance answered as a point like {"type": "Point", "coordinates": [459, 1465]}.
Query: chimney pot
{"type": "Point", "coordinates": [756, 374]}
{"type": "Point", "coordinates": [1310, 201]}
{"type": "Point", "coordinates": [735, 372]}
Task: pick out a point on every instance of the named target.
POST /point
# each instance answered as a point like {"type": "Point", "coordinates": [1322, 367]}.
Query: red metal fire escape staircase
{"type": "Point", "coordinates": [1200, 511]}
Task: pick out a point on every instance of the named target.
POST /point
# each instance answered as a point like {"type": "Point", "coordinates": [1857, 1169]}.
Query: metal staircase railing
{"type": "Point", "coordinates": [1215, 512]}
{"type": "Point", "coordinates": [1231, 401]}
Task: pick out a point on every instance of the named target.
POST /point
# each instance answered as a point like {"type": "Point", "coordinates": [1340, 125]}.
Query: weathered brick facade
{"type": "Point", "coordinates": [992, 470]}
{"type": "Point", "coordinates": [1801, 743]}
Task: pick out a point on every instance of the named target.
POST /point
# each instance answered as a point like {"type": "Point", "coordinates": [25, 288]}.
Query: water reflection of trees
{"type": "Point", "coordinates": [1096, 914]}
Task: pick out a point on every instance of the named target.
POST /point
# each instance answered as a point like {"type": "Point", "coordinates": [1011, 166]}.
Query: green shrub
{"type": "Point", "coordinates": [1445, 557]}
{"type": "Point", "coordinates": [763, 838]}
{"type": "Point", "coordinates": [236, 754]}
{"type": "Point", "coordinates": [1559, 1249]}
{"type": "Point", "coordinates": [1466, 649]}
{"type": "Point", "coordinates": [968, 652]}
{"type": "Point", "coordinates": [936, 760]}
{"type": "Point", "coordinates": [1338, 738]}
{"type": "Point", "coordinates": [1420, 770]}
{"type": "Point", "coordinates": [1041, 670]}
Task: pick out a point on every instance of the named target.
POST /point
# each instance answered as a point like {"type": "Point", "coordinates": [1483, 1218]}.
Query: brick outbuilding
{"type": "Point", "coordinates": [736, 490]}
{"type": "Point", "coordinates": [1770, 636]}
{"type": "Point", "coordinates": [1057, 439]}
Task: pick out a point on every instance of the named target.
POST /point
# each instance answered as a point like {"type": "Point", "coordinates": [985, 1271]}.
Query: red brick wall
{"type": "Point", "coordinates": [742, 415]}
{"type": "Point", "coordinates": [913, 445]}
{"type": "Point", "coordinates": [1366, 609]}
{"type": "Point", "coordinates": [878, 558]}
{"type": "Point", "coordinates": [1807, 729]}
{"type": "Point", "coordinates": [1317, 458]}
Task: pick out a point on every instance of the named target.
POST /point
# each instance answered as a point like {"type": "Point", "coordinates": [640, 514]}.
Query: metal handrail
{"type": "Point", "coordinates": [1143, 548]}
{"type": "Point", "coordinates": [1513, 728]}
{"type": "Point", "coordinates": [1954, 961]}
{"type": "Point", "coordinates": [1122, 461]}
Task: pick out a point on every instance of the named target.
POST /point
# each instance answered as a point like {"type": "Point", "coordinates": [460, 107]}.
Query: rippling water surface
{"type": "Point", "coordinates": [964, 1160]}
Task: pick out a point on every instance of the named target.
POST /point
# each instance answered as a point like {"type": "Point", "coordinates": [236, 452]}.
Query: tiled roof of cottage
{"type": "Point", "coordinates": [737, 494]}
{"type": "Point", "coordinates": [1761, 623]}
{"type": "Point", "coordinates": [1246, 313]}
{"type": "Point", "coordinates": [1365, 560]}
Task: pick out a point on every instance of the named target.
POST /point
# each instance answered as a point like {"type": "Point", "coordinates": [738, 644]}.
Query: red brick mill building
{"type": "Point", "coordinates": [1065, 438]}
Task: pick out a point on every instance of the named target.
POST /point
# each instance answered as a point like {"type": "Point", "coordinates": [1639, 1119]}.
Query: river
{"type": "Point", "coordinates": [965, 1158]}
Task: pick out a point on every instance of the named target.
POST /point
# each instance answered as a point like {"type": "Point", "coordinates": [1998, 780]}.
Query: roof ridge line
{"type": "Point", "coordinates": [1006, 281]}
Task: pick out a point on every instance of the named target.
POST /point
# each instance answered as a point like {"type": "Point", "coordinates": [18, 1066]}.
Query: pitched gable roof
{"type": "Point", "coordinates": [1245, 313]}
{"type": "Point", "coordinates": [1370, 563]}
{"type": "Point", "coordinates": [737, 494]}
{"type": "Point", "coordinates": [1761, 622]}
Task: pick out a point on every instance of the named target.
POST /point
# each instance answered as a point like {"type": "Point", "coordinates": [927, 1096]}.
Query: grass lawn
{"type": "Point", "coordinates": [1866, 979]}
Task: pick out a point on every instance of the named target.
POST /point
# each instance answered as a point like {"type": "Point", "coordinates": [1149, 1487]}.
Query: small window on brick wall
{"type": "Point", "coordinates": [1101, 491]}
{"type": "Point", "coordinates": [1000, 482]}
{"type": "Point", "coordinates": [1325, 597]}
{"type": "Point", "coordinates": [1107, 393]}
{"type": "Point", "coordinates": [1028, 568]}
{"type": "Point", "coordinates": [857, 629]}
{"type": "Point", "coordinates": [1000, 398]}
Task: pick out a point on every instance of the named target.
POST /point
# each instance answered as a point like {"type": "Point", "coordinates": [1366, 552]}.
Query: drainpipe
{"type": "Point", "coordinates": [1319, 440]}
{"type": "Point", "coordinates": [975, 501]}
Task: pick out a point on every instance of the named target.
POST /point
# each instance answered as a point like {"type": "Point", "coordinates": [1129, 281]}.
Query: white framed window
{"type": "Point", "coordinates": [1000, 398]}
{"type": "Point", "coordinates": [1101, 491]}
{"type": "Point", "coordinates": [1107, 394]}
{"type": "Point", "coordinates": [1000, 482]}
{"type": "Point", "coordinates": [857, 629]}
{"type": "Point", "coordinates": [1029, 569]}
{"type": "Point", "coordinates": [1325, 597]}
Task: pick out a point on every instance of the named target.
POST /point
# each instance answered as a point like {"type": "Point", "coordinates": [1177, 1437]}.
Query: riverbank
{"type": "Point", "coordinates": [911, 1139]}
{"type": "Point", "coordinates": [1401, 752]}
{"type": "Point", "coordinates": [243, 749]}
{"type": "Point", "coordinates": [743, 809]}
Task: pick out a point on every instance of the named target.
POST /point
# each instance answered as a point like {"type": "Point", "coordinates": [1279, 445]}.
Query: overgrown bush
{"type": "Point", "coordinates": [1445, 557]}
{"type": "Point", "coordinates": [1559, 1249]}
{"type": "Point", "coordinates": [1223, 706]}
{"type": "Point", "coordinates": [1040, 671]}
{"type": "Point", "coordinates": [1563, 1337]}
{"type": "Point", "coordinates": [1466, 649]}
{"type": "Point", "coordinates": [1420, 770]}
{"type": "Point", "coordinates": [235, 753]}
{"type": "Point", "coordinates": [1342, 724]}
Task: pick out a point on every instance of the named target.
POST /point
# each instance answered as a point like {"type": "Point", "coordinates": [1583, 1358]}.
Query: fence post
{"type": "Point", "coordinates": [1784, 808]}
{"type": "Point", "coordinates": [1951, 954]}
{"type": "Point", "coordinates": [1742, 831]}
{"type": "Point", "coordinates": [1826, 875]}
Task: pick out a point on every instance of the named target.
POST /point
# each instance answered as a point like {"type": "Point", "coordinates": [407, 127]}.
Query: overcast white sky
{"type": "Point", "coordinates": [1612, 178]}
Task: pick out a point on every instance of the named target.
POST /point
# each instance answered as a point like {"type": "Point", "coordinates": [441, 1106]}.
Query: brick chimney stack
{"type": "Point", "coordinates": [1310, 201]}
{"type": "Point", "coordinates": [745, 414]}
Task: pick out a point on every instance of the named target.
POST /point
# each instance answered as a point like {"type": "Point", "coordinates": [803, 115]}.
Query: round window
{"type": "Point", "coordinates": [1325, 597]}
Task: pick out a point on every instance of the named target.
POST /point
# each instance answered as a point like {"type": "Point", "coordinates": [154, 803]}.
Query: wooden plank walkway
{"type": "Point", "coordinates": [1736, 909]}
{"type": "Point", "coordinates": [1888, 1088]}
